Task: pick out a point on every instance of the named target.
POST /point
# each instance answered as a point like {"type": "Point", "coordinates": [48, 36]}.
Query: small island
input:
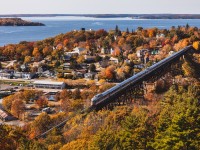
{"type": "Point", "coordinates": [18, 22]}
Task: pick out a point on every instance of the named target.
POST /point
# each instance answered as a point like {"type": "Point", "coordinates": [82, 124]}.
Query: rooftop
{"type": "Point", "coordinates": [47, 82]}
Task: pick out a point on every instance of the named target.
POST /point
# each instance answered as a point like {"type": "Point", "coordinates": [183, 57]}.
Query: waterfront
{"type": "Point", "coordinates": [57, 25]}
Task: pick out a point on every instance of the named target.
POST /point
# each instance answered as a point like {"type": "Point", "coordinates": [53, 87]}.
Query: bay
{"type": "Point", "coordinates": [57, 25]}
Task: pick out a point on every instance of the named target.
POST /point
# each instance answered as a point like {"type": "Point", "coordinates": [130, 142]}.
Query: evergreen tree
{"type": "Point", "coordinates": [127, 30]}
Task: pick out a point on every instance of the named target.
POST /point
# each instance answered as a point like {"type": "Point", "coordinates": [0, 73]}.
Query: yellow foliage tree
{"type": "Point", "coordinates": [196, 45]}
{"type": "Point", "coordinates": [27, 59]}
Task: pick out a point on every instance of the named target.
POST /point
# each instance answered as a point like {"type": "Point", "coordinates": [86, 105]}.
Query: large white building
{"type": "Point", "coordinates": [48, 84]}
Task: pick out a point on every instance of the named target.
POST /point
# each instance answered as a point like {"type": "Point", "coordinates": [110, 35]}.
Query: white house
{"type": "Point", "coordinates": [115, 60]}
{"type": "Point", "coordinates": [28, 76]}
{"type": "Point", "coordinates": [76, 51]}
{"type": "Point", "coordinates": [141, 53]}
{"type": "Point", "coordinates": [160, 36]}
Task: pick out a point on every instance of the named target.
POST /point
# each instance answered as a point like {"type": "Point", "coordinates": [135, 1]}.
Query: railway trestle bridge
{"type": "Point", "coordinates": [134, 88]}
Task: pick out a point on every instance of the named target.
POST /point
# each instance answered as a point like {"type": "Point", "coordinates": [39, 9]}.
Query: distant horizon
{"type": "Point", "coordinates": [102, 14]}
{"type": "Point", "coordinates": [107, 16]}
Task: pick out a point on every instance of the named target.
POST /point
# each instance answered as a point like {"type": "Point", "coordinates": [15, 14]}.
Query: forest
{"type": "Point", "coordinates": [18, 22]}
{"type": "Point", "coordinates": [168, 119]}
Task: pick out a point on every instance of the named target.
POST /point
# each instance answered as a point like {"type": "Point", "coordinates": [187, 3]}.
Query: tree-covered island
{"type": "Point", "coordinates": [18, 22]}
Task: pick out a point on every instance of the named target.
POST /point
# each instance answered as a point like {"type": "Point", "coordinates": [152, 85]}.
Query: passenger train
{"type": "Point", "coordinates": [100, 98]}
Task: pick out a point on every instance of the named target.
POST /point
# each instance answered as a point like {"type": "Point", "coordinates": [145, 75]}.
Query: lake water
{"type": "Point", "coordinates": [57, 25]}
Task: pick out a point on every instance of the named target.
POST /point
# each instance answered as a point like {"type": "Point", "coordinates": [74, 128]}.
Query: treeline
{"type": "Point", "coordinates": [139, 16]}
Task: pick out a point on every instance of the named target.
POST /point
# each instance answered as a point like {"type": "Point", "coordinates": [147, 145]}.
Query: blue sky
{"type": "Point", "coordinates": [99, 6]}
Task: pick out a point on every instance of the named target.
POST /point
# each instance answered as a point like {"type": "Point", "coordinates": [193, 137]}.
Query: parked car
{"type": "Point", "coordinates": [47, 110]}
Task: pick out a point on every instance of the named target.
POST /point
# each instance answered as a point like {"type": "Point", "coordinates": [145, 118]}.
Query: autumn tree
{"type": "Point", "coordinates": [36, 53]}
{"type": "Point", "coordinates": [120, 75]}
{"type": "Point", "coordinates": [196, 45]}
{"type": "Point", "coordinates": [66, 102]}
{"type": "Point", "coordinates": [132, 57]}
{"type": "Point", "coordinates": [42, 102]}
{"type": "Point", "coordinates": [27, 59]}
{"type": "Point", "coordinates": [17, 108]}
{"type": "Point", "coordinates": [11, 137]}
{"type": "Point", "coordinates": [92, 68]}
{"type": "Point", "coordinates": [100, 33]}
{"type": "Point", "coordinates": [47, 50]}
{"type": "Point", "coordinates": [117, 51]}
{"type": "Point", "coordinates": [76, 94]}
{"type": "Point", "coordinates": [152, 32]}
{"type": "Point", "coordinates": [109, 72]}
{"type": "Point", "coordinates": [153, 44]}
{"type": "Point", "coordinates": [80, 59]}
{"type": "Point", "coordinates": [41, 123]}
{"type": "Point", "coordinates": [7, 102]}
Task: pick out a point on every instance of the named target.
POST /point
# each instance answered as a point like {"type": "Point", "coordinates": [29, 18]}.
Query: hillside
{"type": "Point", "coordinates": [167, 117]}
{"type": "Point", "coordinates": [18, 22]}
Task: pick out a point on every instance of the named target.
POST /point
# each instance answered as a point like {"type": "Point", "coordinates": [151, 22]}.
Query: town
{"type": "Point", "coordinates": [53, 79]}
{"type": "Point", "coordinates": [80, 64]}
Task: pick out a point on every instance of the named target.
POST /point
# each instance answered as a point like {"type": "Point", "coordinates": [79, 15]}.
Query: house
{"type": "Point", "coordinates": [82, 29]}
{"type": "Point", "coordinates": [139, 66]}
{"type": "Point", "coordinates": [28, 76]}
{"type": "Point", "coordinates": [154, 52]}
{"type": "Point", "coordinates": [4, 116]}
{"type": "Point", "coordinates": [17, 75]}
{"type": "Point", "coordinates": [23, 75]}
{"type": "Point", "coordinates": [67, 58]}
{"type": "Point", "coordinates": [59, 46]}
{"type": "Point", "coordinates": [79, 75]}
{"type": "Point", "coordinates": [160, 36]}
{"type": "Point", "coordinates": [142, 52]}
{"type": "Point", "coordinates": [3, 58]}
{"type": "Point", "coordinates": [104, 63]}
{"type": "Point", "coordinates": [114, 60]}
{"type": "Point", "coordinates": [24, 67]}
{"type": "Point", "coordinates": [66, 66]}
{"type": "Point", "coordinates": [89, 58]}
{"type": "Point", "coordinates": [83, 71]}
{"type": "Point", "coordinates": [171, 52]}
{"type": "Point", "coordinates": [48, 73]}
{"type": "Point", "coordinates": [76, 51]}
{"type": "Point", "coordinates": [84, 65]}
{"type": "Point", "coordinates": [4, 75]}
{"type": "Point", "coordinates": [49, 84]}
{"type": "Point", "coordinates": [51, 96]}
{"type": "Point", "coordinates": [106, 51]}
{"type": "Point", "coordinates": [90, 75]}
{"type": "Point", "coordinates": [8, 74]}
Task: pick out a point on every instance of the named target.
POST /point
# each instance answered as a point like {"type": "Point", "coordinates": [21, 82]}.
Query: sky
{"type": "Point", "coordinates": [99, 6]}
